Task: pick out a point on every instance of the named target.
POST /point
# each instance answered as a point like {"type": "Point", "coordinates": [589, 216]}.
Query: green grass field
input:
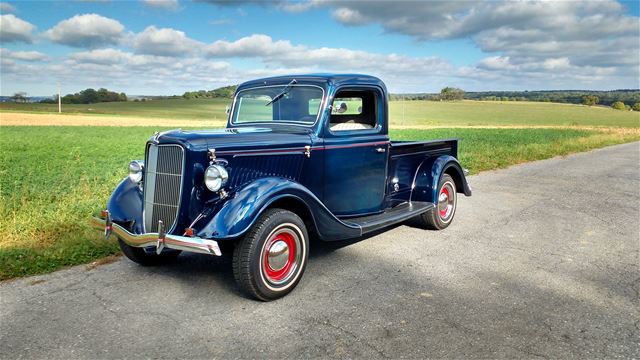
{"type": "Point", "coordinates": [53, 178]}
{"type": "Point", "coordinates": [416, 113]}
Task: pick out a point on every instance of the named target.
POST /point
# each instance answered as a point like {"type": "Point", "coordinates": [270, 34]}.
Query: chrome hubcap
{"type": "Point", "coordinates": [446, 201]}
{"type": "Point", "coordinates": [282, 254]}
{"type": "Point", "coordinates": [278, 255]}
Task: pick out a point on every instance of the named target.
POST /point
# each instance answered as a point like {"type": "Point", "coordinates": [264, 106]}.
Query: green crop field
{"type": "Point", "coordinates": [489, 113]}
{"type": "Point", "coordinates": [52, 179]}
{"type": "Point", "coordinates": [402, 113]}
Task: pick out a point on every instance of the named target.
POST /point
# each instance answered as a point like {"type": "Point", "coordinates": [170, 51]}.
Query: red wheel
{"type": "Point", "coordinates": [447, 201]}
{"type": "Point", "coordinates": [270, 260]}
{"type": "Point", "coordinates": [281, 254]}
{"type": "Point", "coordinates": [440, 217]}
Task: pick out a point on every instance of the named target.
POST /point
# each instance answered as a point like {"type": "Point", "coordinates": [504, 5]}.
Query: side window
{"type": "Point", "coordinates": [353, 110]}
{"type": "Point", "coordinates": [347, 106]}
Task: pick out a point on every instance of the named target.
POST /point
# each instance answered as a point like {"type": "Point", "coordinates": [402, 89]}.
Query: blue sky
{"type": "Point", "coordinates": [163, 47]}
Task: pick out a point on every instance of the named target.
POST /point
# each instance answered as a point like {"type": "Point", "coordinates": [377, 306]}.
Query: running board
{"type": "Point", "coordinates": [392, 216]}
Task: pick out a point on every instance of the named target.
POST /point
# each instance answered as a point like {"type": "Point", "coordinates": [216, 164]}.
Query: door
{"type": "Point", "coordinates": [356, 149]}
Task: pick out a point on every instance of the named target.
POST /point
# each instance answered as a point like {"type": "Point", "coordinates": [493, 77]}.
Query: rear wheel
{"type": "Point", "coordinates": [441, 216]}
{"type": "Point", "coordinates": [140, 256]}
{"type": "Point", "coordinates": [270, 260]}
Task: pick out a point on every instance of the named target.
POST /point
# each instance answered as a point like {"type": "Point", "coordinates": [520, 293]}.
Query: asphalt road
{"type": "Point", "coordinates": [543, 261]}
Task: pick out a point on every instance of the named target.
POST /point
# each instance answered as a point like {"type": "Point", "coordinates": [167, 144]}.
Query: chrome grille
{"type": "Point", "coordinates": [162, 185]}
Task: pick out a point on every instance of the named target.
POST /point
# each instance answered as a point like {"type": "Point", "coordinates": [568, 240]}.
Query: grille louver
{"type": "Point", "coordinates": [162, 185]}
{"type": "Point", "coordinates": [248, 168]}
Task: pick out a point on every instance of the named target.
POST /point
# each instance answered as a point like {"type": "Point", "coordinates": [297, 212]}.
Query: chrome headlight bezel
{"type": "Point", "coordinates": [136, 168]}
{"type": "Point", "coordinates": [215, 177]}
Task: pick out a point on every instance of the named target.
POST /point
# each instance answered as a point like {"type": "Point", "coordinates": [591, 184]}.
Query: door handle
{"type": "Point", "coordinates": [380, 150]}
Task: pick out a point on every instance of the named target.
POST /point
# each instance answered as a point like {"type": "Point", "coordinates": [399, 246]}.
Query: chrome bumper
{"type": "Point", "coordinates": [159, 240]}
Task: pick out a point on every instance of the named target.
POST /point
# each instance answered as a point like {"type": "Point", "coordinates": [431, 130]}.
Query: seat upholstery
{"type": "Point", "coordinates": [345, 126]}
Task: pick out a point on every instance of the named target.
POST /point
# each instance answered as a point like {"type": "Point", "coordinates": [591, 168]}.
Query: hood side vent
{"type": "Point", "coordinates": [243, 169]}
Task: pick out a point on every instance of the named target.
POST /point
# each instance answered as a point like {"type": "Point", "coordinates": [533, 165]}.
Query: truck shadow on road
{"type": "Point", "coordinates": [192, 269]}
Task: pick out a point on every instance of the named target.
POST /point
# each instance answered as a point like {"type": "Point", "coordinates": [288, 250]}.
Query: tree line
{"type": "Point", "coordinates": [88, 96]}
{"type": "Point", "coordinates": [617, 99]}
{"type": "Point", "coordinates": [223, 92]}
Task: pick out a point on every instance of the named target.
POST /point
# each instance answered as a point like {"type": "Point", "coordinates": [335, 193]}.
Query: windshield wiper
{"type": "Point", "coordinates": [284, 92]}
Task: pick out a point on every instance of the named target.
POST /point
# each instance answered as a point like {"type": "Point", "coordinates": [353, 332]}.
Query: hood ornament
{"type": "Point", "coordinates": [156, 135]}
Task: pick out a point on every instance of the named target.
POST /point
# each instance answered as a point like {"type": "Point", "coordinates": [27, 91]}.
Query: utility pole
{"type": "Point", "coordinates": [59, 100]}
{"type": "Point", "coordinates": [402, 108]}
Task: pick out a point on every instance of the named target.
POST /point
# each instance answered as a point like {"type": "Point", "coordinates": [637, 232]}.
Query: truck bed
{"type": "Point", "coordinates": [405, 158]}
{"type": "Point", "coordinates": [440, 147]}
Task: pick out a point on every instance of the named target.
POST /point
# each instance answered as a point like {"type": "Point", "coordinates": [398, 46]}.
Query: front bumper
{"type": "Point", "coordinates": [158, 240]}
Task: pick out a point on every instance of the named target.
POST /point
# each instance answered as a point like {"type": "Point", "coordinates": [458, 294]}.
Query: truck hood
{"type": "Point", "coordinates": [240, 138]}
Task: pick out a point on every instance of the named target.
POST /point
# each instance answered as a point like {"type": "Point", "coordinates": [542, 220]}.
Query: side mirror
{"type": "Point", "coordinates": [227, 110]}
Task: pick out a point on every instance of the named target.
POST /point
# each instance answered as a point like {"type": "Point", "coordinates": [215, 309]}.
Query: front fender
{"type": "Point", "coordinates": [241, 211]}
{"type": "Point", "coordinates": [428, 178]}
{"type": "Point", "coordinates": [125, 205]}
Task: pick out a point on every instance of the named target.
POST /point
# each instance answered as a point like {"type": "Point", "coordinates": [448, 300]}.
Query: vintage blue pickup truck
{"type": "Point", "coordinates": [302, 157]}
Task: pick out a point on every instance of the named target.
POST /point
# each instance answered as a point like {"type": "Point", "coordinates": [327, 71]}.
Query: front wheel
{"type": "Point", "coordinates": [270, 260]}
{"type": "Point", "coordinates": [441, 216]}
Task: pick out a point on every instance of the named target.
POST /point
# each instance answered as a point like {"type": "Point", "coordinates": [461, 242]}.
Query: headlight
{"type": "Point", "coordinates": [135, 170]}
{"type": "Point", "coordinates": [215, 177]}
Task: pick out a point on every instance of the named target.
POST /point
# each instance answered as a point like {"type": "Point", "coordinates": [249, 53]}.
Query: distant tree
{"type": "Point", "coordinates": [91, 96]}
{"type": "Point", "coordinates": [618, 105]}
{"type": "Point", "coordinates": [590, 100]}
{"type": "Point", "coordinates": [636, 106]}
{"type": "Point", "coordinates": [19, 97]}
{"type": "Point", "coordinates": [504, 98]}
{"type": "Point", "coordinates": [451, 93]}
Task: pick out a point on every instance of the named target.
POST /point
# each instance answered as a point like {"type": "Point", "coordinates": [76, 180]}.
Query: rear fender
{"type": "Point", "coordinates": [425, 185]}
{"type": "Point", "coordinates": [236, 216]}
{"type": "Point", "coordinates": [125, 205]}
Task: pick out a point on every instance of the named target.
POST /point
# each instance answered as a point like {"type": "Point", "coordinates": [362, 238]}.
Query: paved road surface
{"type": "Point", "coordinates": [541, 262]}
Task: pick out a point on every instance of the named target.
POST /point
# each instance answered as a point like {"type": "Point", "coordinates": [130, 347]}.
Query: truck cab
{"type": "Point", "coordinates": [300, 155]}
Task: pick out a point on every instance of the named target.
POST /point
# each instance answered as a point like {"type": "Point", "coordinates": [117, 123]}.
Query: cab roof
{"type": "Point", "coordinates": [318, 79]}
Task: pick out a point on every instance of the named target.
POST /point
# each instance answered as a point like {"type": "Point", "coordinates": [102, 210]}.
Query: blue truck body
{"type": "Point", "coordinates": [342, 183]}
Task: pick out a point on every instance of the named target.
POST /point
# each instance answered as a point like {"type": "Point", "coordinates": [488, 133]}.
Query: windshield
{"type": "Point", "coordinates": [287, 104]}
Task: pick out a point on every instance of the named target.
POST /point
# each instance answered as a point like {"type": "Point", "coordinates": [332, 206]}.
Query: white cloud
{"type": "Point", "coordinates": [87, 30]}
{"type": "Point", "coordinates": [165, 42]}
{"type": "Point", "coordinates": [163, 4]}
{"type": "Point", "coordinates": [283, 55]}
{"type": "Point", "coordinates": [5, 7]}
{"type": "Point", "coordinates": [256, 45]}
{"type": "Point", "coordinates": [495, 63]}
{"type": "Point", "coordinates": [101, 56]}
{"type": "Point", "coordinates": [349, 16]}
{"type": "Point", "coordinates": [23, 55]}
{"type": "Point", "coordinates": [14, 29]}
